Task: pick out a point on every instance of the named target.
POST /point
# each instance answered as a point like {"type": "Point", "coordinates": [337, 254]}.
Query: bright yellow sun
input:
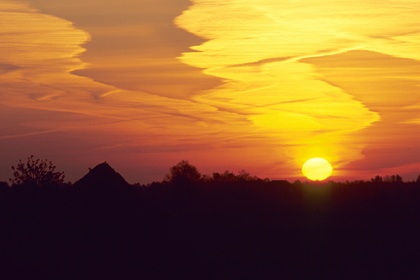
{"type": "Point", "coordinates": [317, 169]}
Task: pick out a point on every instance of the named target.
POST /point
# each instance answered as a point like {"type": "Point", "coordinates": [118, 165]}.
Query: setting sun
{"type": "Point", "coordinates": [260, 85]}
{"type": "Point", "coordinates": [242, 122]}
{"type": "Point", "coordinates": [317, 169]}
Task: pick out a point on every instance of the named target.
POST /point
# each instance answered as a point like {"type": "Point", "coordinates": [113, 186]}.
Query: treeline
{"type": "Point", "coordinates": [190, 226]}
{"type": "Point", "coordinates": [38, 172]}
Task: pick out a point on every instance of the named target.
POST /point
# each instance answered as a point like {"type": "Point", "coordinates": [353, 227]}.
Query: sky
{"type": "Point", "coordinates": [255, 85]}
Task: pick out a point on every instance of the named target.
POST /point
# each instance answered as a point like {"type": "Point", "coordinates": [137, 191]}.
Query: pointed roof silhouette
{"type": "Point", "coordinates": [102, 175]}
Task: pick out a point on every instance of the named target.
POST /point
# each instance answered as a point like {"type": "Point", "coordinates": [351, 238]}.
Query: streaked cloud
{"type": "Point", "coordinates": [265, 85]}
{"type": "Point", "coordinates": [45, 96]}
{"type": "Point", "coordinates": [290, 54]}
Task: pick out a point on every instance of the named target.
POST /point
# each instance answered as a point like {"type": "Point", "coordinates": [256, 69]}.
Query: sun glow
{"type": "Point", "coordinates": [317, 169]}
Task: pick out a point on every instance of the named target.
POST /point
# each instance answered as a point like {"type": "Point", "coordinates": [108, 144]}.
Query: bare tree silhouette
{"type": "Point", "coordinates": [36, 172]}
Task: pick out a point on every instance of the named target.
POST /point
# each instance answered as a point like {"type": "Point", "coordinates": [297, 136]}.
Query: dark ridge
{"type": "Point", "coordinates": [102, 175]}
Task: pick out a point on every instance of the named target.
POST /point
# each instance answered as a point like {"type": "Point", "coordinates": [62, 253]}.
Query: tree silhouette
{"type": "Point", "coordinates": [230, 177]}
{"type": "Point", "coordinates": [393, 179]}
{"type": "Point", "coordinates": [3, 185]}
{"type": "Point", "coordinates": [226, 177]}
{"type": "Point", "coordinates": [36, 172]}
{"type": "Point", "coordinates": [377, 179]}
{"type": "Point", "coordinates": [183, 173]}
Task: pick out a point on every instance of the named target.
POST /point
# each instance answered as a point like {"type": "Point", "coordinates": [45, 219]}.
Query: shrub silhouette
{"type": "Point", "coordinates": [36, 172]}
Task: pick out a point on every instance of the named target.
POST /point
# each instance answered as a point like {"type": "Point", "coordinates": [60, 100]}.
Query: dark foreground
{"type": "Point", "coordinates": [248, 230]}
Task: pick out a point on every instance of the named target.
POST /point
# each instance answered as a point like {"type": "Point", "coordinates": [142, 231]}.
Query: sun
{"type": "Point", "coordinates": [317, 169]}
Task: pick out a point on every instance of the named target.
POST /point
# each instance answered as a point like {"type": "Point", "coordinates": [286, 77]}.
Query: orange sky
{"type": "Point", "coordinates": [260, 85]}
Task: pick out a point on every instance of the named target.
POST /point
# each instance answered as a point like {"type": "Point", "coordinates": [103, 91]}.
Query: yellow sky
{"type": "Point", "coordinates": [260, 85]}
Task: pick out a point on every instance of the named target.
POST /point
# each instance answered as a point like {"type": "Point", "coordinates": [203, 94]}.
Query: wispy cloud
{"type": "Point", "coordinates": [267, 83]}
{"type": "Point", "coordinates": [288, 54]}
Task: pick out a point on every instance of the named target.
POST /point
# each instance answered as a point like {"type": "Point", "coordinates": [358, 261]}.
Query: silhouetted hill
{"type": "Point", "coordinates": [102, 176]}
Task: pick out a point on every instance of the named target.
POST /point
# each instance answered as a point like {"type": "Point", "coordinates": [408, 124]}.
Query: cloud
{"type": "Point", "coordinates": [279, 62]}
{"type": "Point", "coordinates": [5, 68]}
{"type": "Point", "coordinates": [265, 81]}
